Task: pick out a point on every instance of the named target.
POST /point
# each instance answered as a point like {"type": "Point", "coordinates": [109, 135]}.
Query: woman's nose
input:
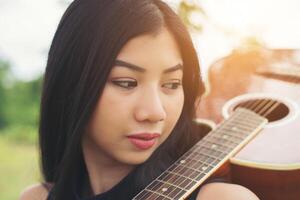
{"type": "Point", "coordinates": [150, 107]}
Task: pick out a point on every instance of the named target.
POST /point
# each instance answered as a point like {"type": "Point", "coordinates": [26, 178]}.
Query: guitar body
{"type": "Point", "coordinates": [269, 165]}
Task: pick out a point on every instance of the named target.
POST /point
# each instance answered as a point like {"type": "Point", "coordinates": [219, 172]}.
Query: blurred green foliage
{"type": "Point", "coordinates": [19, 106]}
{"type": "Point", "coordinates": [4, 66]}
{"type": "Point", "coordinates": [186, 10]}
{"type": "Point", "coordinates": [19, 113]}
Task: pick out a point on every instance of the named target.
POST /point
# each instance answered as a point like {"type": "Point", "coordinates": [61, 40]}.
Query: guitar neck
{"type": "Point", "coordinates": [205, 157]}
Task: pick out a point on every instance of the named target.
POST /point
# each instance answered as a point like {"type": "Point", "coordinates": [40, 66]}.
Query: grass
{"type": "Point", "coordinates": [18, 166]}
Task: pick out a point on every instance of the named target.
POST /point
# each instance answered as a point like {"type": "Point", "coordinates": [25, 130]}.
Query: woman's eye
{"type": "Point", "coordinates": [125, 84]}
{"type": "Point", "coordinates": [173, 85]}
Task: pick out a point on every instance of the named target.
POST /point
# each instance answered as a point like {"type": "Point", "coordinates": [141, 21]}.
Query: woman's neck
{"type": "Point", "coordinates": [103, 172]}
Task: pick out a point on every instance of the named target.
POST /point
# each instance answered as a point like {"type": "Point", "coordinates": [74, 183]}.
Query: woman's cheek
{"type": "Point", "coordinates": [174, 113]}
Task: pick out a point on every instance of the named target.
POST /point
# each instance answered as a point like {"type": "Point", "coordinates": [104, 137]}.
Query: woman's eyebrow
{"type": "Point", "coordinates": [134, 67]}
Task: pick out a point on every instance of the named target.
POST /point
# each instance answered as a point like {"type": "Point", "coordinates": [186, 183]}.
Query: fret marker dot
{"type": "Point", "coordinates": [164, 189]}
{"type": "Point", "coordinates": [234, 128]}
{"type": "Point", "coordinates": [213, 146]}
{"type": "Point", "coordinates": [182, 161]}
{"type": "Point", "coordinates": [204, 168]}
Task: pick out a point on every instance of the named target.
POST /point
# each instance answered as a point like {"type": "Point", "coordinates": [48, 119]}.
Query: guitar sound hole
{"type": "Point", "coordinates": [271, 109]}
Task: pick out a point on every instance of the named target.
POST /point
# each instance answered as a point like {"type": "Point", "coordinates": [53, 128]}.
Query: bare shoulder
{"type": "Point", "coordinates": [225, 191]}
{"type": "Point", "coordinates": [34, 192]}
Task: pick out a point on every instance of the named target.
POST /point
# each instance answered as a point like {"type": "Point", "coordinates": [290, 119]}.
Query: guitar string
{"type": "Point", "coordinates": [273, 107]}
{"type": "Point", "coordinates": [172, 177]}
{"type": "Point", "coordinates": [254, 106]}
{"type": "Point", "coordinates": [277, 102]}
{"type": "Point", "coordinates": [267, 106]}
{"type": "Point", "coordinates": [164, 185]}
{"type": "Point", "coordinates": [204, 163]}
{"type": "Point", "coordinates": [270, 107]}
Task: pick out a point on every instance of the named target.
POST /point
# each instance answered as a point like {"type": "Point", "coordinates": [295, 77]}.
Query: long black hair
{"type": "Point", "coordinates": [88, 39]}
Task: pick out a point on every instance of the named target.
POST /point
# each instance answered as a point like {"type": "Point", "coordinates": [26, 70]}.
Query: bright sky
{"type": "Point", "coordinates": [27, 28]}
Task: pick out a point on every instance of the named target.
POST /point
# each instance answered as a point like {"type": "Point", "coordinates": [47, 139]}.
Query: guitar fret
{"type": "Point", "coordinates": [150, 194]}
{"type": "Point", "coordinates": [212, 158]}
{"type": "Point", "coordinates": [187, 183]}
{"type": "Point", "coordinates": [174, 192]}
{"type": "Point", "coordinates": [243, 123]}
{"type": "Point", "coordinates": [237, 127]}
{"type": "Point", "coordinates": [209, 142]}
{"type": "Point", "coordinates": [146, 194]}
{"type": "Point", "coordinates": [168, 177]}
{"type": "Point", "coordinates": [201, 165]}
{"type": "Point", "coordinates": [187, 161]}
{"type": "Point", "coordinates": [219, 140]}
{"type": "Point", "coordinates": [213, 152]}
{"type": "Point", "coordinates": [213, 145]}
{"type": "Point", "coordinates": [200, 176]}
{"type": "Point", "coordinates": [252, 119]}
{"type": "Point", "coordinates": [160, 198]}
{"type": "Point", "coordinates": [225, 136]}
{"type": "Point", "coordinates": [245, 116]}
{"type": "Point", "coordinates": [165, 189]}
{"type": "Point", "coordinates": [194, 172]}
{"type": "Point", "coordinates": [207, 161]}
{"type": "Point", "coordinates": [181, 183]}
{"type": "Point", "coordinates": [224, 144]}
{"type": "Point", "coordinates": [236, 131]}
{"type": "Point", "coordinates": [238, 139]}
{"type": "Point", "coordinates": [155, 185]}
{"type": "Point", "coordinates": [201, 157]}
{"type": "Point", "coordinates": [177, 193]}
{"type": "Point", "coordinates": [158, 195]}
{"type": "Point", "coordinates": [175, 173]}
{"type": "Point", "coordinates": [232, 128]}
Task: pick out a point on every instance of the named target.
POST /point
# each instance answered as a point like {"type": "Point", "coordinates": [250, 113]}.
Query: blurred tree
{"type": "Point", "coordinates": [19, 100]}
{"type": "Point", "coordinates": [4, 68]}
{"type": "Point", "coordinates": [190, 12]}
{"type": "Point", "coordinates": [251, 43]}
{"type": "Point", "coordinates": [22, 107]}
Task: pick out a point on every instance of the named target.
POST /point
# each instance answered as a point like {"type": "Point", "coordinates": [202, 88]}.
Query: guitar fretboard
{"type": "Point", "coordinates": [204, 158]}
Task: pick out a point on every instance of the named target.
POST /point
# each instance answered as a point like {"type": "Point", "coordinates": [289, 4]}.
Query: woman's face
{"type": "Point", "coordinates": [141, 101]}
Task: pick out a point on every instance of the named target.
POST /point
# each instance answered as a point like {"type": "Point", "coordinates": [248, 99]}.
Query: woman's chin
{"type": "Point", "coordinates": [136, 158]}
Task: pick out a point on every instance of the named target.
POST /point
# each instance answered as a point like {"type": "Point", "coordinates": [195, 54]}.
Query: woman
{"type": "Point", "coordinates": [118, 100]}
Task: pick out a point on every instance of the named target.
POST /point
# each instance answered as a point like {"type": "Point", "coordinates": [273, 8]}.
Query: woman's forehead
{"type": "Point", "coordinates": [148, 50]}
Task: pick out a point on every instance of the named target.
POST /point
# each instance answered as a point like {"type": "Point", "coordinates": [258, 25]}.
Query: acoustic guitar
{"type": "Point", "coordinates": [268, 83]}
{"type": "Point", "coordinates": [258, 133]}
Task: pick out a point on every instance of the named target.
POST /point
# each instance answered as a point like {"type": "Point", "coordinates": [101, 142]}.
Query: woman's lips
{"type": "Point", "coordinates": [144, 140]}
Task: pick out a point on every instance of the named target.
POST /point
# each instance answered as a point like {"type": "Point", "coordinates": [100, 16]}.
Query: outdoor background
{"type": "Point", "coordinates": [26, 31]}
